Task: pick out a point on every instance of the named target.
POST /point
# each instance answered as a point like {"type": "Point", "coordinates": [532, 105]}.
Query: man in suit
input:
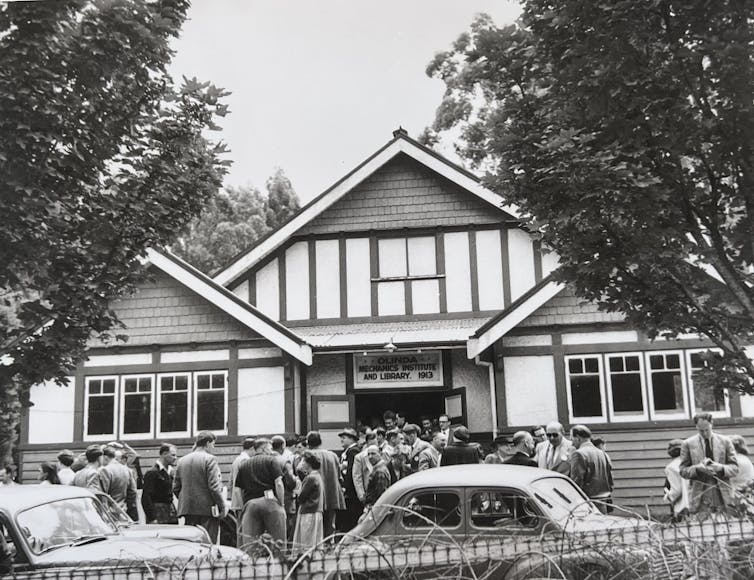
{"type": "Point", "coordinates": [197, 485]}
{"type": "Point", "coordinates": [444, 422]}
{"type": "Point", "coordinates": [429, 457]}
{"type": "Point", "coordinates": [590, 469]}
{"type": "Point", "coordinates": [415, 445]}
{"type": "Point", "coordinates": [332, 489]}
{"type": "Point", "coordinates": [553, 454]}
{"type": "Point", "coordinates": [709, 461]}
{"type": "Point", "coordinates": [117, 481]}
{"type": "Point", "coordinates": [157, 495]}
{"type": "Point", "coordinates": [523, 445]}
{"type": "Point", "coordinates": [461, 451]}
{"type": "Point", "coordinates": [362, 468]}
{"type": "Point", "coordinates": [348, 518]}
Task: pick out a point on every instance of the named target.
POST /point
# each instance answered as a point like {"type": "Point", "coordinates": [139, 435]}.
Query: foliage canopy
{"type": "Point", "coordinates": [101, 157]}
{"type": "Point", "coordinates": [624, 130]}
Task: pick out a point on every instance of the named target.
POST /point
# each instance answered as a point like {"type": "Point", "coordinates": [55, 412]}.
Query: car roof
{"type": "Point", "coordinates": [14, 498]}
{"type": "Point", "coordinates": [481, 475]}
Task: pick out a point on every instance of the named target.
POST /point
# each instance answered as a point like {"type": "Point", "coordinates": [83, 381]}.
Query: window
{"type": "Point", "coordinates": [173, 405]}
{"type": "Point", "coordinates": [625, 387]}
{"type": "Point", "coordinates": [666, 385]}
{"type": "Point", "coordinates": [704, 399]}
{"type": "Point", "coordinates": [499, 509]}
{"type": "Point", "coordinates": [100, 407]}
{"type": "Point", "coordinates": [137, 403]}
{"type": "Point", "coordinates": [211, 401]}
{"type": "Point", "coordinates": [584, 374]}
{"type": "Point", "coordinates": [408, 281]}
{"type": "Point", "coordinates": [145, 406]}
{"type": "Point", "coordinates": [430, 509]}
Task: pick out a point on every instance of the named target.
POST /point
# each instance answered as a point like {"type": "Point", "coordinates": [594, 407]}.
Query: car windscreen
{"type": "Point", "coordinates": [562, 499]}
{"type": "Point", "coordinates": [63, 522]}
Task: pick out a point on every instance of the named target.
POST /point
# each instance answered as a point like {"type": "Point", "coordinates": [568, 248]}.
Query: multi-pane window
{"type": "Point", "coordinates": [211, 401]}
{"type": "Point", "coordinates": [633, 386]}
{"type": "Point", "coordinates": [140, 406]}
{"type": "Point", "coordinates": [137, 403]}
{"type": "Point", "coordinates": [703, 398]}
{"type": "Point", "coordinates": [173, 405]}
{"type": "Point", "coordinates": [625, 387]}
{"type": "Point", "coordinates": [666, 384]}
{"type": "Point", "coordinates": [584, 374]}
{"type": "Point", "coordinates": [100, 406]}
{"type": "Point", "coordinates": [408, 281]}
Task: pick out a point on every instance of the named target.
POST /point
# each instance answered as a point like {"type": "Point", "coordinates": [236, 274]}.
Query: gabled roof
{"type": "Point", "coordinates": [401, 143]}
{"type": "Point", "coordinates": [231, 304]}
{"type": "Point", "coordinates": [490, 332]}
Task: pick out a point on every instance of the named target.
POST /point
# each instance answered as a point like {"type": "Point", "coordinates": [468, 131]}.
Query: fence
{"type": "Point", "coordinates": [715, 548]}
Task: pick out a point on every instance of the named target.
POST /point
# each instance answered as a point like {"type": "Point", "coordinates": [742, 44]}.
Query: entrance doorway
{"type": "Point", "coordinates": [413, 406]}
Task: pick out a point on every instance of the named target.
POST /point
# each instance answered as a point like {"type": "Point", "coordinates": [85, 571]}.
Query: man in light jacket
{"type": "Point", "coordinates": [708, 460]}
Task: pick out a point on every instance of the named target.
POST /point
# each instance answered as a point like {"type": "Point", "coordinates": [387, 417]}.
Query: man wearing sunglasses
{"type": "Point", "coordinates": [554, 454]}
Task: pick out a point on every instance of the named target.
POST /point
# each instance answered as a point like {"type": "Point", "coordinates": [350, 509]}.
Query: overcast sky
{"type": "Point", "coordinates": [319, 85]}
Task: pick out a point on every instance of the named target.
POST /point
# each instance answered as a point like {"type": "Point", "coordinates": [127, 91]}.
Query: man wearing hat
{"type": "Point", "coordinates": [460, 452]}
{"type": "Point", "coordinates": [500, 451]}
{"type": "Point", "coordinates": [676, 487]}
{"type": "Point", "coordinates": [347, 519]}
{"type": "Point", "coordinates": [590, 469]}
{"type": "Point", "coordinates": [65, 473]}
{"type": "Point", "coordinates": [415, 445]}
{"type": "Point", "coordinates": [88, 476]}
{"type": "Point", "coordinates": [429, 457]}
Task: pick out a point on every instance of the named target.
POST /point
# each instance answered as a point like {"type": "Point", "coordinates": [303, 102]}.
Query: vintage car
{"type": "Point", "coordinates": [67, 529]}
{"type": "Point", "coordinates": [133, 529]}
{"type": "Point", "coordinates": [526, 521]}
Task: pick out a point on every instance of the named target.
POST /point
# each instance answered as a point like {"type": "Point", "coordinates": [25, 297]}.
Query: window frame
{"type": "Point", "coordinates": [601, 375]}
{"type": "Point", "coordinates": [195, 385]}
{"type": "Point", "coordinates": [122, 413]}
{"type": "Point", "coordinates": [116, 410]}
{"type": "Point", "coordinates": [690, 381]}
{"type": "Point", "coordinates": [664, 415]}
{"type": "Point", "coordinates": [462, 517]}
{"type": "Point", "coordinates": [408, 279]}
{"type": "Point", "coordinates": [514, 530]}
{"type": "Point", "coordinates": [189, 406]}
{"type": "Point", "coordinates": [625, 417]}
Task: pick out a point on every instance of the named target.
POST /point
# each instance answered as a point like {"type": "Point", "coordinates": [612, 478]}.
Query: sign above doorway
{"type": "Point", "coordinates": [404, 369]}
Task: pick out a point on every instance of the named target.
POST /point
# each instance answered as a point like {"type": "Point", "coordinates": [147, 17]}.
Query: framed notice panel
{"type": "Point", "coordinates": [391, 370]}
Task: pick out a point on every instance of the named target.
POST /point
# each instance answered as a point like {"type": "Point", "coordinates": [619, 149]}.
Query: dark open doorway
{"type": "Point", "coordinates": [413, 405]}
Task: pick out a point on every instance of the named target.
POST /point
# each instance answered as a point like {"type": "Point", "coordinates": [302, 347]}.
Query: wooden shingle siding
{"type": "Point", "coordinates": [166, 312]}
{"type": "Point", "coordinates": [567, 308]}
{"type": "Point", "coordinates": [402, 194]}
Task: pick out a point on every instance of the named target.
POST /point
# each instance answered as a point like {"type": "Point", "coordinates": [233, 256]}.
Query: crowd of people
{"type": "Point", "coordinates": [294, 490]}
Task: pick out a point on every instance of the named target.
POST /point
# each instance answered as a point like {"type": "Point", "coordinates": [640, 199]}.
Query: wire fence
{"type": "Point", "coordinates": [717, 548]}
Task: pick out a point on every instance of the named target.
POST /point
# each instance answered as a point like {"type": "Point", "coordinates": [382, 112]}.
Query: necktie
{"type": "Point", "coordinates": [551, 457]}
{"type": "Point", "coordinates": [708, 448]}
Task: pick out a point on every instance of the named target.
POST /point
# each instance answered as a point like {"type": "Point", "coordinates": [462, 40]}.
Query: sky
{"type": "Point", "coordinates": [319, 85]}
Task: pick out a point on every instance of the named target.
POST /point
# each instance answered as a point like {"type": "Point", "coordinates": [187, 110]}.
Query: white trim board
{"type": "Point", "coordinates": [244, 314]}
{"type": "Point", "coordinates": [400, 144]}
{"type": "Point", "coordinates": [477, 345]}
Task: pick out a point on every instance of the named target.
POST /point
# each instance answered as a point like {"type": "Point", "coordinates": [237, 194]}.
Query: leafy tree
{"type": "Point", "coordinates": [624, 130]}
{"type": "Point", "coordinates": [233, 220]}
{"type": "Point", "coordinates": [101, 157]}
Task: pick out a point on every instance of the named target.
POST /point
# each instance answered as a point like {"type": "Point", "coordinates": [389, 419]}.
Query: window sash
{"type": "Point", "coordinates": [195, 416]}
{"type": "Point", "coordinates": [725, 412]}
{"type": "Point", "coordinates": [602, 417]}
{"type": "Point", "coordinates": [124, 396]}
{"type": "Point", "coordinates": [189, 399]}
{"type": "Point", "coordinates": [88, 407]}
{"type": "Point", "coordinates": [623, 416]}
{"type": "Point", "coordinates": [682, 413]}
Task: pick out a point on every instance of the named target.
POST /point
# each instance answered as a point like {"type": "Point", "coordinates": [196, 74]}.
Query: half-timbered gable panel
{"type": "Point", "coordinates": [402, 194]}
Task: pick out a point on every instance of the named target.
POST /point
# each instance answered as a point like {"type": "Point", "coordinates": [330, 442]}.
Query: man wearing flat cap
{"type": "Point", "coordinates": [347, 519]}
{"type": "Point", "coordinates": [461, 451]}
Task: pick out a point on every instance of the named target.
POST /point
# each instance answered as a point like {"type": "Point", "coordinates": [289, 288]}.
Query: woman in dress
{"type": "Point", "coordinates": [48, 473]}
{"type": "Point", "coordinates": [308, 532]}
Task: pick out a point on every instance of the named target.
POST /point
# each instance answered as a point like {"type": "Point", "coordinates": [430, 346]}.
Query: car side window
{"type": "Point", "coordinates": [428, 509]}
{"type": "Point", "coordinates": [502, 509]}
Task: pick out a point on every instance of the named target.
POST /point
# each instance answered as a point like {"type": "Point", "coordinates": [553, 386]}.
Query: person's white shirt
{"type": "Point", "coordinates": [550, 456]}
{"type": "Point", "coordinates": [66, 475]}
